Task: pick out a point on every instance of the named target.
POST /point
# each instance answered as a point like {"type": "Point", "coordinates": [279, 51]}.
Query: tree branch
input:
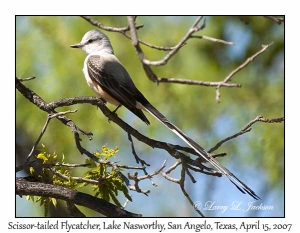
{"type": "Point", "coordinates": [49, 108]}
{"type": "Point", "coordinates": [173, 150]}
{"type": "Point", "coordinates": [26, 186]}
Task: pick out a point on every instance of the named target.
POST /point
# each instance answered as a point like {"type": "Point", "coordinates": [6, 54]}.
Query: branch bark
{"type": "Point", "coordinates": [26, 186]}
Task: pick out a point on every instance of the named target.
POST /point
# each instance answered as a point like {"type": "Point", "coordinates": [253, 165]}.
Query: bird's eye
{"type": "Point", "coordinates": [90, 40]}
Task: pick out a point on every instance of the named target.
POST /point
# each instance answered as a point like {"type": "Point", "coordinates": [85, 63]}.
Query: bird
{"type": "Point", "coordinates": [107, 76]}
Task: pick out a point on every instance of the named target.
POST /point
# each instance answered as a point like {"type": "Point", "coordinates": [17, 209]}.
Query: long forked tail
{"type": "Point", "coordinates": [233, 179]}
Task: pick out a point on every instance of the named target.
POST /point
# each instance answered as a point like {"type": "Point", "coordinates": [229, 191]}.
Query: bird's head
{"type": "Point", "coordinates": [94, 41]}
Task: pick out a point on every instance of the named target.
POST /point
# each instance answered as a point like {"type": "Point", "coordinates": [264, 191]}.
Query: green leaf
{"type": "Point", "coordinates": [42, 156]}
{"type": "Point", "coordinates": [54, 201]}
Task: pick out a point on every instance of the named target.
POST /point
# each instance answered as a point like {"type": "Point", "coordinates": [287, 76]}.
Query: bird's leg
{"type": "Point", "coordinates": [114, 111]}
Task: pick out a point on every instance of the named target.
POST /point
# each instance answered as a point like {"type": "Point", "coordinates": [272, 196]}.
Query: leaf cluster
{"type": "Point", "coordinates": [104, 182]}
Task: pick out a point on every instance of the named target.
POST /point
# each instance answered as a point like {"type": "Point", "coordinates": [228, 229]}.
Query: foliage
{"type": "Point", "coordinates": [110, 183]}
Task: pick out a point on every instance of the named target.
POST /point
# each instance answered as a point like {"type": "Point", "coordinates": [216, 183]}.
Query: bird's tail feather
{"type": "Point", "coordinates": [233, 179]}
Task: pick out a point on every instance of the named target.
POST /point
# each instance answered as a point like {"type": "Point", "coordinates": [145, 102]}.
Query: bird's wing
{"type": "Point", "coordinates": [112, 77]}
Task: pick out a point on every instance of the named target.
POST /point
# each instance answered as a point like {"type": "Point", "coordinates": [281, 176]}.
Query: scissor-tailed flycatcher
{"type": "Point", "coordinates": [106, 75]}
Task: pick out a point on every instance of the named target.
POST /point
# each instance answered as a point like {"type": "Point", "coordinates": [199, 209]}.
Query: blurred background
{"type": "Point", "coordinates": [257, 158]}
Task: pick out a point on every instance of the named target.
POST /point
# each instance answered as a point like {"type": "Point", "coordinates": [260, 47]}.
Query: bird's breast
{"type": "Point", "coordinates": [97, 88]}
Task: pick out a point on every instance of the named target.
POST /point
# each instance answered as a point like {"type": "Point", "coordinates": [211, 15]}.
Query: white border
{"type": "Point", "coordinates": [149, 7]}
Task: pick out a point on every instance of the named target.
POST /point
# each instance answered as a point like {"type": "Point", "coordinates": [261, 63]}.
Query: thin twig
{"type": "Point", "coordinates": [148, 176]}
{"type": "Point", "coordinates": [137, 179]}
{"type": "Point", "coordinates": [194, 82]}
{"type": "Point", "coordinates": [169, 178]}
{"type": "Point", "coordinates": [273, 120]}
{"type": "Point", "coordinates": [213, 173]}
{"type": "Point", "coordinates": [239, 68]}
{"type": "Point", "coordinates": [96, 182]}
{"type": "Point", "coordinates": [137, 158]}
{"type": "Point", "coordinates": [247, 62]}
{"type": "Point", "coordinates": [77, 179]}
{"type": "Point", "coordinates": [246, 129]}
{"type": "Point", "coordinates": [245, 21]}
{"type": "Point", "coordinates": [181, 184]}
{"type": "Point", "coordinates": [136, 187]}
{"type": "Point", "coordinates": [38, 140]}
{"type": "Point", "coordinates": [174, 166]}
{"type": "Point", "coordinates": [54, 115]}
{"type": "Point", "coordinates": [163, 61]}
{"type": "Point", "coordinates": [107, 28]}
{"type": "Point", "coordinates": [169, 170]}
{"type": "Point", "coordinates": [50, 116]}
{"type": "Point", "coordinates": [213, 40]}
{"type": "Point", "coordinates": [70, 165]}
{"type": "Point", "coordinates": [123, 31]}
{"type": "Point", "coordinates": [26, 79]}
{"type": "Point", "coordinates": [162, 48]}
{"type": "Point", "coordinates": [189, 173]}
{"type": "Point", "coordinates": [276, 20]}
{"type": "Point", "coordinates": [40, 103]}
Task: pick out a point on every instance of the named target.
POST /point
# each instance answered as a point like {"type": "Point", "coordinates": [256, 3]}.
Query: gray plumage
{"type": "Point", "coordinates": [107, 77]}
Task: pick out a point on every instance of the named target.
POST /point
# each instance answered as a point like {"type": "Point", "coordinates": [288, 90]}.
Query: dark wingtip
{"type": "Point", "coordinates": [144, 118]}
{"type": "Point", "coordinates": [244, 188]}
{"type": "Point", "coordinates": [255, 196]}
{"type": "Point", "coordinates": [147, 122]}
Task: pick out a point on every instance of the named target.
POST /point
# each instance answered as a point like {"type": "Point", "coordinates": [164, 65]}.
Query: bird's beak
{"type": "Point", "coordinates": [79, 45]}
